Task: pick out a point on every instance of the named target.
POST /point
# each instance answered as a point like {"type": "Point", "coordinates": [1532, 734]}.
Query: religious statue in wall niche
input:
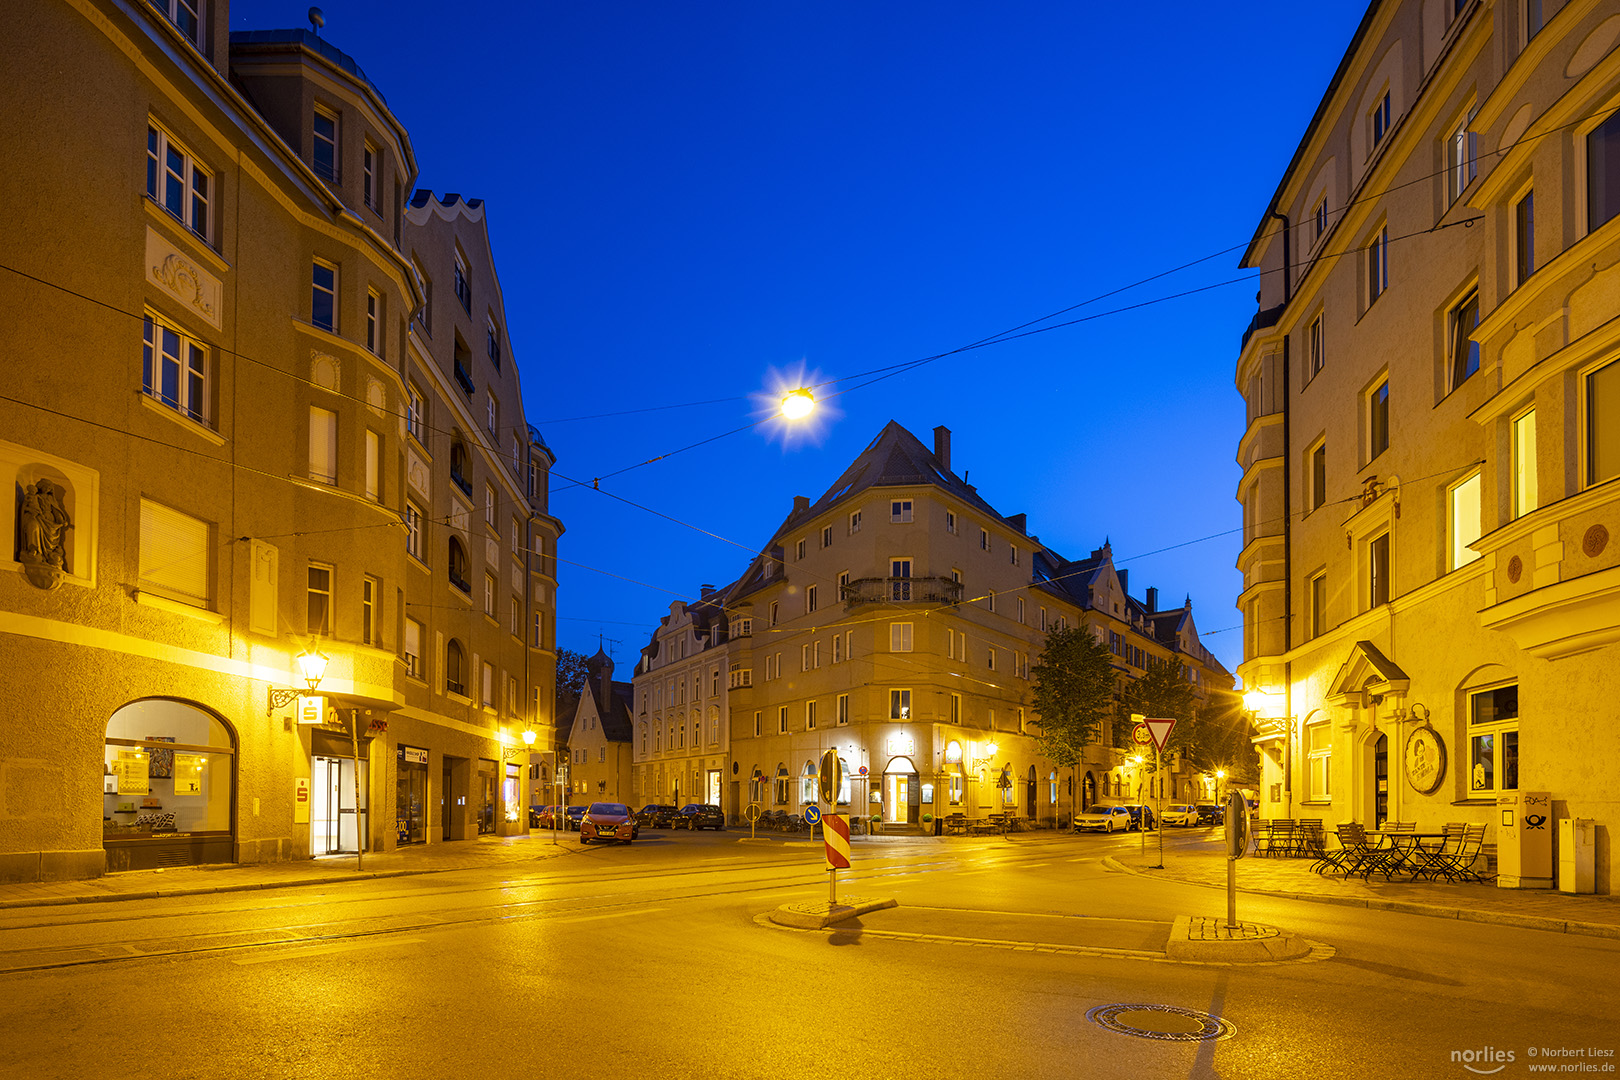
{"type": "Point", "coordinates": [43, 525]}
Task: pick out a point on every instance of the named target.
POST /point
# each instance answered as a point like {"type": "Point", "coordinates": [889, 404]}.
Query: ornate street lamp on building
{"type": "Point", "coordinates": [312, 665]}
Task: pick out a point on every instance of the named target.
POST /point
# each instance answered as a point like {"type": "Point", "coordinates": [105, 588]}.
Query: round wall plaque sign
{"type": "Point", "coordinates": [1425, 760]}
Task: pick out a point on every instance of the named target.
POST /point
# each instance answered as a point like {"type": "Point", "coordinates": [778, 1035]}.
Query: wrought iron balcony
{"type": "Point", "coordinates": [901, 590]}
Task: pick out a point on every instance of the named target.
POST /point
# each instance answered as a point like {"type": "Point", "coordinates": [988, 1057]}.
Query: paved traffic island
{"type": "Point", "coordinates": [1201, 939]}
{"type": "Point", "coordinates": [819, 914]}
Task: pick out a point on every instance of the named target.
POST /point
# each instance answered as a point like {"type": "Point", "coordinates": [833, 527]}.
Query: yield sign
{"type": "Point", "coordinates": [1159, 728]}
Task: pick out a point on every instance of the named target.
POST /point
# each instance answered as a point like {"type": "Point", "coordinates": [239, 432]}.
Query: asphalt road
{"type": "Point", "coordinates": [655, 961]}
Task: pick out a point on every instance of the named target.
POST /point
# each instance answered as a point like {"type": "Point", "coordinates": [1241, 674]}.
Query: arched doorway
{"type": "Point", "coordinates": [1088, 792]}
{"type": "Point", "coordinates": [902, 792]}
{"type": "Point", "coordinates": [1381, 780]}
{"type": "Point", "coordinates": [168, 786]}
{"type": "Point", "coordinates": [1030, 786]}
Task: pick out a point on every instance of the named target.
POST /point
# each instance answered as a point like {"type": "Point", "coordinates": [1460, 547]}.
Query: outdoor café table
{"type": "Point", "coordinates": [1406, 856]}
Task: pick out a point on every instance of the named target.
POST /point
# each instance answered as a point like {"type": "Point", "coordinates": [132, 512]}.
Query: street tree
{"type": "Point", "coordinates": [1074, 694]}
{"type": "Point", "coordinates": [571, 672]}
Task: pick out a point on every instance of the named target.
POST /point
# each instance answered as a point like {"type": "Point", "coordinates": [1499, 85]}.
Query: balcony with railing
{"type": "Point", "coordinates": [901, 590]}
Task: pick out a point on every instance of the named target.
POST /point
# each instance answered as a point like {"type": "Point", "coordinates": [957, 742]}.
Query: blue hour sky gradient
{"type": "Point", "coordinates": [695, 203]}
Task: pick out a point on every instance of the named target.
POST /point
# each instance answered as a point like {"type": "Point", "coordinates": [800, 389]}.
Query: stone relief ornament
{"type": "Point", "coordinates": [324, 370]}
{"type": "Point", "coordinates": [43, 524]}
{"type": "Point", "coordinates": [376, 396]}
{"type": "Point", "coordinates": [185, 281]}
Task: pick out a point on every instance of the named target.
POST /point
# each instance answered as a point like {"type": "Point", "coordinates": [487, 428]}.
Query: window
{"type": "Point", "coordinates": [1524, 464]}
{"type": "Point", "coordinates": [1603, 173]}
{"type": "Point", "coordinates": [1378, 265]}
{"type": "Point", "coordinates": [1012, 556]}
{"type": "Point", "coordinates": [373, 466]}
{"type": "Point", "coordinates": [174, 554]}
{"type": "Point", "coordinates": [325, 160]}
{"type": "Point", "coordinates": [1461, 322]}
{"type": "Point", "coordinates": [489, 594]}
{"type": "Point", "coordinates": [174, 370]}
{"type": "Point", "coordinates": [323, 426]}
{"type": "Point", "coordinates": [1524, 238]}
{"type": "Point", "coordinates": [774, 610]}
{"type": "Point", "coordinates": [1378, 570]}
{"type": "Point", "coordinates": [826, 536]}
{"type": "Point", "coordinates": [990, 657]}
{"type": "Point", "coordinates": [458, 566]}
{"type": "Point", "coordinates": [1314, 346]}
{"type": "Point", "coordinates": [1603, 422]}
{"type": "Point", "coordinates": [369, 590]}
{"type": "Point", "coordinates": [415, 414]}
{"type": "Point", "coordinates": [176, 182]}
{"type": "Point", "coordinates": [186, 15]}
{"type": "Point", "coordinates": [488, 686]}
{"type": "Point", "coordinates": [1461, 158]}
{"type": "Point", "coordinates": [1378, 420]}
{"type": "Point", "coordinates": [950, 521]}
{"type": "Point", "coordinates": [781, 720]}
{"type": "Point", "coordinates": [810, 716]}
{"type": "Point", "coordinates": [413, 648]}
{"type": "Point", "coordinates": [489, 506]}
{"type": "Point", "coordinates": [1319, 219]}
{"type": "Point", "coordinates": [798, 551]}
{"type": "Point", "coordinates": [319, 609]}
{"type": "Point", "coordinates": [373, 336]}
{"type": "Point", "coordinates": [368, 177]}
{"type": "Point", "coordinates": [855, 522]}
{"type": "Point", "coordinates": [900, 579]}
{"type": "Point", "coordinates": [984, 539]}
{"type": "Point", "coordinates": [956, 708]}
{"type": "Point", "coordinates": [899, 704]}
{"type": "Point", "coordinates": [1464, 513]}
{"type": "Point", "coordinates": [323, 296]}
{"type": "Point", "coordinates": [1532, 19]}
{"type": "Point", "coordinates": [1318, 475]}
{"type": "Point", "coordinates": [900, 511]}
{"type": "Point", "coordinates": [492, 413]}
{"type": "Point", "coordinates": [804, 657]}
{"type": "Point", "coordinates": [900, 637]}
{"type": "Point", "coordinates": [1317, 616]}
{"type": "Point", "coordinates": [424, 314]}
{"type": "Point", "coordinates": [843, 709]}
{"type": "Point", "coordinates": [413, 530]}
{"type": "Point", "coordinates": [1379, 119]}
{"type": "Point", "coordinates": [1043, 620]}
{"type": "Point", "coordinates": [463, 286]}
{"type": "Point", "coordinates": [1493, 740]}
{"type": "Point", "coordinates": [492, 343]}
{"type": "Point", "coordinates": [1319, 762]}
{"type": "Point", "coordinates": [1020, 610]}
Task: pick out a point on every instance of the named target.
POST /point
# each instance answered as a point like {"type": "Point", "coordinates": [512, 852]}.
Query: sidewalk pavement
{"type": "Point", "coordinates": [1537, 909]}
{"type": "Point", "coordinates": [200, 880]}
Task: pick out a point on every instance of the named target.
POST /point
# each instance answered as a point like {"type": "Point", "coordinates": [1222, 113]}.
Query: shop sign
{"type": "Point", "coordinates": [902, 744]}
{"type": "Point", "coordinates": [311, 709]}
{"type": "Point", "coordinates": [413, 755]}
{"type": "Point", "coordinates": [378, 726]}
{"type": "Point", "coordinates": [953, 753]}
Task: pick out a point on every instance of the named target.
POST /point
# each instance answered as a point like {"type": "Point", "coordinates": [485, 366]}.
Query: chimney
{"type": "Point", "coordinates": [1125, 582]}
{"type": "Point", "coordinates": [801, 503]}
{"type": "Point", "coordinates": [942, 447]}
{"type": "Point", "coordinates": [1152, 599]}
{"type": "Point", "coordinates": [1019, 522]}
{"type": "Point", "coordinates": [707, 590]}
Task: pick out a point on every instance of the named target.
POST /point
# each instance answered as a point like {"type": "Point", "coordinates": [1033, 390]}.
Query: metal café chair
{"type": "Point", "coordinates": [1352, 849]}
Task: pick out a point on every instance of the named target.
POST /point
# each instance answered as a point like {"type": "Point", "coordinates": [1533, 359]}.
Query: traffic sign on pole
{"type": "Point", "coordinates": [812, 814]}
{"type": "Point", "coordinates": [831, 777]}
{"type": "Point", "coordinates": [835, 831]}
{"type": "Point", "coordinates": [1140, 735]}
{"type": "Point", "coordinates": [1159, 729]}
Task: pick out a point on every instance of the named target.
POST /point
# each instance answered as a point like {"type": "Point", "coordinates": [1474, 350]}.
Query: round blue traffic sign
{"type": "Point", "coordinates": [812, 814]}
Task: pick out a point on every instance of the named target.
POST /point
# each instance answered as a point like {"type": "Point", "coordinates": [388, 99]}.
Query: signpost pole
{"type": "Point", "coordinates": [1158, 808]}
{"type": "Point", "coordinates": [359, 821]}
{"type": "Point", "coordinates": [1237, 845]}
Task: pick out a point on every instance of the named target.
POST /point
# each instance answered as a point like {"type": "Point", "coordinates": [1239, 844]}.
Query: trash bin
{"type": "Point", "coordinates": [1524, 857]}
{"type": "Point", "coordinates": [1576, 837]}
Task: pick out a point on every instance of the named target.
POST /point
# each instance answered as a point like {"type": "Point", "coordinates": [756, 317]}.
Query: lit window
{"type": "Point", "coordinates": [413, 648]}
{"type": "Point", "coordinates": [900, 637]}
{"type": "Point", "coordinates": [1319, 759]}
{"type": "Point", "coordinates": [899, 704]}
{"type": "Point", "coordinates": [174, 559]}
{"type": "Point", "coordinates": [174, 369]}
{"type": "Point", "coordinates": [1464, 512]}
{"type": "Point", "coordinates": [323, 432]}
{"type": "Point", "coordinates": [1524, 464]}
{"type": "Point", "coordinates": [1493, 740]}
{"type": "Point", "coordinates": [1603, 423]}
{"type": "Point", "coordinates": [177, 182]}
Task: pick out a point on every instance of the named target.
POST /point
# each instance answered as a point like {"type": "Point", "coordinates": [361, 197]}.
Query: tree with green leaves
{"type": "Point", "coordinates": [1074, 694]}
{"type": "Point", "coordinates": [571, 672]}
{"type": "Point", "coordinates": [1162, 691]}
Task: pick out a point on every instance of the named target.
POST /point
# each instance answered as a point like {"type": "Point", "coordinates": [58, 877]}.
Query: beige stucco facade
{"type": "Point", "coordinates": [1428, 489]}
{"type": "Point", "coordinates": [213, 354]}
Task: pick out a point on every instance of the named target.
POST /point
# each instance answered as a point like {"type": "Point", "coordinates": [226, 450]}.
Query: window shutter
{"type": "Point", "coordinates": [174, 552]}
{"type": "Point", "coordinates": [372, 461]}
{"type": "Point", "coordinates": [322, 445]}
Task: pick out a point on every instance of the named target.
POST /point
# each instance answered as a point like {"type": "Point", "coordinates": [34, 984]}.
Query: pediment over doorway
{"type": "Point", "coordinates": [1366, 672]}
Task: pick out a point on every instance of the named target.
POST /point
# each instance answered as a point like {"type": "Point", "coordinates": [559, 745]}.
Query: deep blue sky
{"type": "Point", "coordinates": [687, 198]}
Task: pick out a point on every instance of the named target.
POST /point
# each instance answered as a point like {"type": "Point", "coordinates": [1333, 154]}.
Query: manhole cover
{"type": "Point", "coordinates": [1161, 1022]}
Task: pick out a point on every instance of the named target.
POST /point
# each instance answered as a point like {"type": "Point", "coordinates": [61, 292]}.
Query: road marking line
{"type": "Point", "coordinates": [324, 950]}
{"type": "Point", "coordinates": [609, 915]}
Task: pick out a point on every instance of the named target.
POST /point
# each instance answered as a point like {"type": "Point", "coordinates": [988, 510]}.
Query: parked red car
{"type": "Point", "coordinates": [608, 821]}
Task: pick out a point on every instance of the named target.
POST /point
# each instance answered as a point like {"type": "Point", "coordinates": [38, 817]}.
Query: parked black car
{"type": "Point", "coordinates": [1141, 816]}
{"type": "Point", "coordinates": [572, 821]}
{"type": "Point", "coordinates": [700, 816]}
{"type": "Point", "coordinates": [656, 816]}
{"type": "Point", "coordinates": [1210, 814]}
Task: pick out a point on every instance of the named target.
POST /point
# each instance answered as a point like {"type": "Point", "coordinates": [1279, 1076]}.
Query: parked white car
{"type": "Point", "coordinates": [1180, 814]}
{"type": "Point", "coordinates": [1104, 819]}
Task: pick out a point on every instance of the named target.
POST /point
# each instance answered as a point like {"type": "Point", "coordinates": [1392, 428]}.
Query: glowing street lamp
{"type": "Point", "coordinates": [313, 667]}
{"type": "Point", "coordinates": [529, 737]}
{"type": "Point", "coordinates": [798, 404]}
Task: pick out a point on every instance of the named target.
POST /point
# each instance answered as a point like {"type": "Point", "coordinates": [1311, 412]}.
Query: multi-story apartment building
{"type": "Point", "coordinates": [682, 719]}
{"type": "Point", "coordinates": [1430, 464]}
{"type": "Point", "coordinates": [598, 768]}
{"type": "Point", "coordinates": [895, 620]}
{"type": "Point", "coordinates": [238, 435]}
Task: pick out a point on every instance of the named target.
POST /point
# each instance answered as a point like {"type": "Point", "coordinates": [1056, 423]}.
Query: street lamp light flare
{"type": "Point", "coordinates": [797, 404]}
{"type": "Point", "coordinates": [313, 666]}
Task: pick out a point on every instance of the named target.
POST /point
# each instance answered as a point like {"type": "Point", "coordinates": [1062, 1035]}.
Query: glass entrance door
{"type": "Point", "coordinates": [714, 787]}
{"type": "Point", "coordinates": [334, 827]}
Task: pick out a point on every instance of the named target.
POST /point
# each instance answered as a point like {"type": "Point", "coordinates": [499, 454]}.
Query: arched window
{"type": "Point", "coordinates": [458, 566]}
{"type": "Point", "coordinates": [455, 669]}
{"type": "Point", "coordinates": [458, 466]}
{"type": "Point", "coordinates": [169, 768]}
{"type": "Point", "coordinates": [808, 784]}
